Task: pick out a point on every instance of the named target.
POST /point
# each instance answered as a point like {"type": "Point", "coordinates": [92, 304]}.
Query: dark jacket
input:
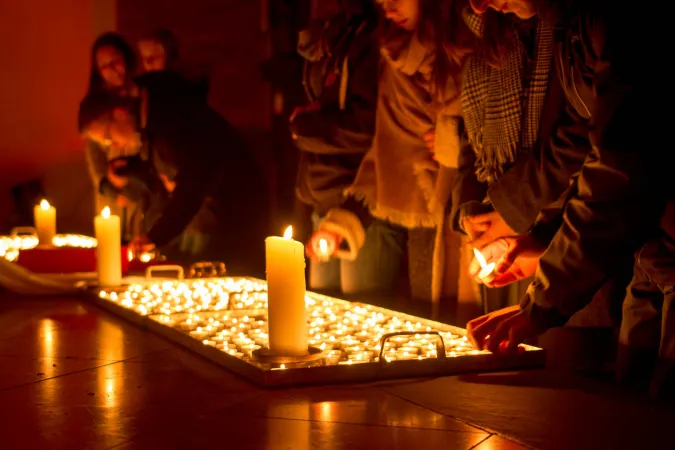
{"type": "Point", "coordinates": [619, 193]}
{"type": "Point", "coordinates": [524, 189]}
{"type": "Point", "coordinates": [333, 139]}
{"type": "Point", "coordinates": [194, 146]}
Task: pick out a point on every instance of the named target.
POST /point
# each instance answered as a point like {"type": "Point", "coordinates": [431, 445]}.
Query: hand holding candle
{"type": "Point", "coordinates": [285, 263]}
{"type": "Point", "coordinates": [322, 245]}
{"type": "Point", "coordinates": [44, 216]}
{"type": "Point", "coordinates": [486, 274]}
{"type": "Point", "coordinates": [516, 258]}
{"type": "Point", "coordinates": [109, 249]}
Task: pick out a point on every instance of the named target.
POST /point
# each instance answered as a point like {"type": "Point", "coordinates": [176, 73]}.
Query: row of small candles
{"type": "Point", "coordinates": [229, 314]}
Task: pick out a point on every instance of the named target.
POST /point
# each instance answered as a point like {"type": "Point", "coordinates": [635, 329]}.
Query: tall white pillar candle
{"type": "Point", "coordinates": [44, 216]}
{"type": "Point", "coordinates": [287, 319]}
{"type": "Point", "coordinates": [109, 249]}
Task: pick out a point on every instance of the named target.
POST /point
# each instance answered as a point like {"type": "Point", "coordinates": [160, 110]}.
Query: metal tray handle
{"type": "Point", "coordinates": [207, 269]}
{"type": "Point", "coordinates": [180, 272]}
{"type": "Point", "coordinates": [440, 344]}
{"type": "Point", "coordinates": [18, 231]}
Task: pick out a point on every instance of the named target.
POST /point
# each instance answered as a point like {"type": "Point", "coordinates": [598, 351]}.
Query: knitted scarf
{"type": "Point", "coordinates": [493, 100]}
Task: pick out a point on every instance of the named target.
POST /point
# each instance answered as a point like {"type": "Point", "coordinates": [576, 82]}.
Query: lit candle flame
{"type": "Point", "coordinates": [44, 204]}
{"type": "Point", "coordinates": [105, 213]}
{"type": "Point", "coordinates": [480, 258]}
{"type": "Point", "coordinates": [288, 234]}
{"type": "Point", "coordinates": [323, 246]}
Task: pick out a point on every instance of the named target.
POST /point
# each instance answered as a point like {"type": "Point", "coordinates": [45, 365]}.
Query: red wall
{"type": "Point", "coordinates": [44, 61]}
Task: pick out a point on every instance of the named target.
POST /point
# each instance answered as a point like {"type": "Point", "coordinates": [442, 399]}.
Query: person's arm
{"type": "Point", "coordinates": [198, 149]}
{"type": "Point", "coordinates": [619, 191]}
{"type": "Point", "coordinates": [97, 163]}
{"type": "Point", "coordinates": [467, 192]}
{"type": "Point", "coordinates": [331, 130]}
{"type": "Point", "coordinates": [538, 178]}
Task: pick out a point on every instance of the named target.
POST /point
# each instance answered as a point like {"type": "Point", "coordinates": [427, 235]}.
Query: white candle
{"type": "Point", "coordinates": [108, 251]}
{"type": "Point", "coordinates": [44, 216]}
{"type": "Point", "coordinates": [486, 274]}
{"type": "Point", "coordinates": [287, 319]}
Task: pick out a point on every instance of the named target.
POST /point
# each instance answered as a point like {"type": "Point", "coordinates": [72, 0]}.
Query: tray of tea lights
{"type": "Point", "coordinates": [10, 246]}
{"type": "Point", "coordinates": [225, 320]}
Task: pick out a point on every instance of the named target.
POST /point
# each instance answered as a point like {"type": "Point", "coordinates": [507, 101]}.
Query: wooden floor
{"type": "Point", "coordinates": [74, 377]}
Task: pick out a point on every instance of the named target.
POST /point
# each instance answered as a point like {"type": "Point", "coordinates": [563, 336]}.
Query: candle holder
{"type": "Point", "coordinates": [265, 355]}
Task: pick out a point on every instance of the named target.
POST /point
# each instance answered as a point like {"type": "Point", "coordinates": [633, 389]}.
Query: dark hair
{"type": "Point", "coordinates": [500, 30]}
{"type": "Point", "coordinates": [99, 106]}
{"type": "Point", "coordinates": [166, 39]}
{"type": "Point", "coordinates": [442, 26]}
{"type": "Point", "coordinates": [116, 41]}
{"type": "Point", "coordinates": [498, 38]}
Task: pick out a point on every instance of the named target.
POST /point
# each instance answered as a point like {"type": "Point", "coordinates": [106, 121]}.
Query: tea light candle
{"type": "Point", "coordinates": [333, 357]}
{"type": "Point", "coordinates": [44, 216]}
{"type": "Point", "coordinates": [287, 319]}
{"type": "Point", "coordinates": [109, 249]}
{"type": "Point", "coordinates": [323, 249]}
{"type": "Point", "coordinates": [486, 274]}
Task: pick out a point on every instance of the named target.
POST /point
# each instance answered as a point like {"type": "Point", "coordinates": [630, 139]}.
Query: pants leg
{"type": "Point", "coordinates": [377, 266]}
{"type": "Point", "coordinates": [421, 243]}
{"type": "Point", "coordinates": [663, 382]}
{"type": "Point", "coordinates": [640, 333]}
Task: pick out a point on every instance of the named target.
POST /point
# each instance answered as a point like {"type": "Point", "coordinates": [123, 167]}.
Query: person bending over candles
{"type": "Point", "coordinates": [619, 193]}
{"type": "Point", "coordinates": [212, 179]}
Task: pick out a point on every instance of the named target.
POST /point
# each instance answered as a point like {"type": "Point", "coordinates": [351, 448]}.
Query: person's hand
{"type": "Point", "coordinates": [430, 141]}
{"type": "Point", "coordinates": [123, 201]}
{"type": "Point", "coordinates": [332, 243]}
{"type": "Point", "coordinates": [501, 331]}
{"type": "Point", "coordinates": [485, 228]}
{"type": "Point", "coordinates": [519, 261]}
{"type": "Point", "coordinates": [516, 258]}
{"type": "Point", "coordinates": [116, 180]}
{"type": "Point", "coordinates": [141, 244]}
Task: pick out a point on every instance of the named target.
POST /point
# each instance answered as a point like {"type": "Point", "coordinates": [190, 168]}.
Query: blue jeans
{"type": "Point", "coordinates": [376, 268]}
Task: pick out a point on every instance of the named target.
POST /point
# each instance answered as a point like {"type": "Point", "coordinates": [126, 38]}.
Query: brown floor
{"type": "Point", "coordinates": [75, 377]}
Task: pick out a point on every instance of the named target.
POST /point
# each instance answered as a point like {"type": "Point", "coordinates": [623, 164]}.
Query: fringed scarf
{"type": "Point", "coordinates": [493, 100]}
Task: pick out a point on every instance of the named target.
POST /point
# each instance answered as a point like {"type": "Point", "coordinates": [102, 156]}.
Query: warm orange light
{"type": "Point", "coordinates": [44, 204]}
{"type": "Point", "coordinates": [323, 246]}
{"type": "Point", "coordinates": [288, 234]}
{"type": "Point", "coordinates": [480, 258]}
{"type": "Point", "coordinates": [105, 212]}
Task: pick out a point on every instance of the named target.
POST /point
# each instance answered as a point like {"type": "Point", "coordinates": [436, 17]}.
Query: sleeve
{"type": "Point", "coordinates": [467, 192]}
{"type": "Point", "coordinates": [618, 198]}
{"type": "Point", "coordinates": [199, 158]}
{"type": "Point", "coordinates": [544, 173]}
{"type": "Point", "coordinates": [97, 163]}
{"type": "Point", "coordinates": [333, 130]}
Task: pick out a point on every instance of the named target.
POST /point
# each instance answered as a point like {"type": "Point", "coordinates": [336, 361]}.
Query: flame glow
{"type": "Point", "coordinates": [44, 204]}
{"type": "Point", "coordinates": [323, 246]}
{"type": "Point", "coordinates": [480, 258]}
{"type": "Point", "coordinates": [105, 213]}
{"type": "Point", "coordinates": [288, 233]}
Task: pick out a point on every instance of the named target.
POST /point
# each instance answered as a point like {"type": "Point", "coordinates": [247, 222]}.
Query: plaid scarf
{"type": "Point", "coordinates": [493, 100]}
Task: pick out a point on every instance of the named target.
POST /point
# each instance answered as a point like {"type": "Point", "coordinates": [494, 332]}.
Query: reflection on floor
{"type": "Point", "coordinates": [72, 376]}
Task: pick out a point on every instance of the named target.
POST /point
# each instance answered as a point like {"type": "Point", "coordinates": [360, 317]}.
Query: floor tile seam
{"type": "Point", "coordinates": [73, 372]}
{"type": "Point", "coordinates": [481, 442]}
{"type": "Point", "coordinates": [489, 431]}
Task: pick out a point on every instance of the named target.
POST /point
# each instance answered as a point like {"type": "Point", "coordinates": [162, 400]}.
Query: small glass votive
{"type": "Point", "coordinates": [333, 357]}
{"type": "Point", "coordinates": [362, 357]}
